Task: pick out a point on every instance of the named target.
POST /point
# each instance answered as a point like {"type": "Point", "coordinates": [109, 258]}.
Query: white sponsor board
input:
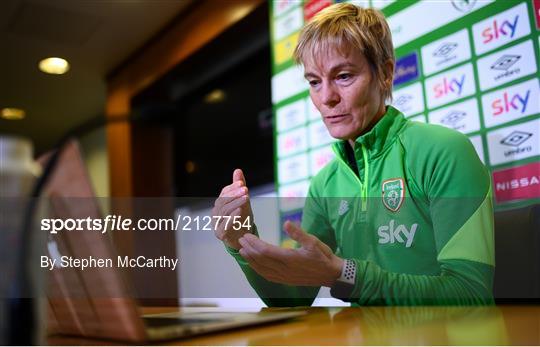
{"type": "Point", "coordinates": [511, 103]}
{"type": "Point", "coordinates": [292, 196]}
{"type": "Point", "coordinates": [292, 142]}
{"type": "Point", "coordinates": [463, 116]}
{"type": "Point", "coordinates": [288, 23]}
{"type": "Point", "coordinates": [319, 158]}
{"type": "Point", "coordinates": [410, 99]}
{"type": "Point", "coordinates": [318, 134]}
{"type": "Point", "coordinates": [420, 118]}
{"type": "Point", "coordinates": [506, 65]}
{"type": "Point", "coordinates": [313, 113]}
{"type": "Point", "coordinates": [361, 3]}
{"type": "Point", "coordinates": [283, 6]}
{"type": "Point", "coordinates": [287, 83]}
{"type": "Point", "coordinates": [380, 4]}
{"type": "Point", "coordinates": [514, 143]}
{"type": "Point", "coordinates": [501, 29]}
{"type": "Point", "coordinates": [425, 16]}
{"type": "Point", "coordinates": [478, 146]}
{"type": "Point", "coordinates": [446, 52]}
{"type": "Point", "coordinates": [291, 115]}
{"type": "Point", "coordinates": [293, 168]}
{"type": "Point", "coordinates": [450, 85]}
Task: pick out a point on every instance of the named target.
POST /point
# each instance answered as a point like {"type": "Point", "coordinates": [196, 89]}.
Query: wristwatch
{"type": "Point", "coordinates": [344, 285]}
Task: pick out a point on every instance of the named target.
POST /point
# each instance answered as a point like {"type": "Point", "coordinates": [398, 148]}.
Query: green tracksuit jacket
{"type": "Point", "coordinates": [417, 218]}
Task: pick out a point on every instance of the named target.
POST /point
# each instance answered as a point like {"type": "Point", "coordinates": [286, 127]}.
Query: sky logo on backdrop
{"type": "Point", "coordinates": [449, 86]}
{"type": "Point", "coordinates": [501, 28]}
{"type": "Point", "coordinates": [511, 102]}
{"type": "Point", "coordinates": [406, 69]}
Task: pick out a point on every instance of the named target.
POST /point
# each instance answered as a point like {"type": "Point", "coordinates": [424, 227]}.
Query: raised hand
{"type": "Point", "coordinates": [233, 201]}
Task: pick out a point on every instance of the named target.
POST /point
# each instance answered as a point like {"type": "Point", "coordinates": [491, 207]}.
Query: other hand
{"type": "Point", "coordinates": [313, 264]}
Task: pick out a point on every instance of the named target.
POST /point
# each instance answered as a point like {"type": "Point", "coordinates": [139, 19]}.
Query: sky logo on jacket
{"type": "Point", "coordinates": [511, 103]}
{"type": "Point", "coordinates": [391, 233]}
{"type": "Point", "coordinates": [501, 29]}
{"type": "Point", "coordinates": [449, 86]}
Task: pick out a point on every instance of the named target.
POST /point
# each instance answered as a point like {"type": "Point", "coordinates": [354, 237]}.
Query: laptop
{"type": "Point", "coordinates": [98, 302]}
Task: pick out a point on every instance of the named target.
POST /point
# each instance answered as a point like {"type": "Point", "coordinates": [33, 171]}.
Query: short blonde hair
{"type": "Point", "coordinates": [345, 27]}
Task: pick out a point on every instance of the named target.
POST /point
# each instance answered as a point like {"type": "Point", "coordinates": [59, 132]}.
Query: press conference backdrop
{"type": "Point", "coordinates": [468, 65]}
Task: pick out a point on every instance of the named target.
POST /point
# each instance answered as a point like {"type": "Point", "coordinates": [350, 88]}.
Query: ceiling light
{"type": "Point", "coordinates": [190, 167]}
{"type": "Point", "coordinates": [215, 96]}
{"type": "Point", "coordinates": [12, 113]}
{"type": "Point", "coordinates": [54, 66]}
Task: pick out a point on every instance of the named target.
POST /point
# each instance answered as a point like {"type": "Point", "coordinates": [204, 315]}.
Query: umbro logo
{"type": "Point", "coordinates": [505, 62]}
{"type": "Point", "coordinates": [453, 118]}
{"type": "Point", "coordinates": [403, 99]}
{"type": "Point", "coordinates": [516, 138]}
{"type": "Point", "coordinates": [445, 49]}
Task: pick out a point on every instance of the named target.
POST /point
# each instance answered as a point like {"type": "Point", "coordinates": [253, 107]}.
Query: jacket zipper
{"type": "Point", "coordinates": [363, 186]}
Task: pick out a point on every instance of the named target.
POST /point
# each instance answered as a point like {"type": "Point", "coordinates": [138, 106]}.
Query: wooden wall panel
{"type": "Point", "coordinates": [203, 21]}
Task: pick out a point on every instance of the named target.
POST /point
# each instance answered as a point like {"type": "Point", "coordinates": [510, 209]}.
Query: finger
{"type": "Point", "coordinates": [238, 175]}
{"type": "Point", "coordinates": [233, 205]}
{"type": "Point", "coordinates": [233, 194]}
{"type": "Point", "coordinates": [231, 187]}
{"type": "Point", "coordinates": [265, 272]}
{"type": "Point", "coordinates": [297, 234]}
{"type": "Point", "coordinates": [277, 255]}
{"type": "Point", "coordinates": [254, 256]}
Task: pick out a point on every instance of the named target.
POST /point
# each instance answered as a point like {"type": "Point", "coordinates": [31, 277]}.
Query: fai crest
{"type": "Point", "coordinates": [393, 193]}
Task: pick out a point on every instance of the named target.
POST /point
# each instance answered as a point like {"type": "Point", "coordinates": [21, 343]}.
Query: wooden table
{"type": "Point", "coordinates": [500, 325]}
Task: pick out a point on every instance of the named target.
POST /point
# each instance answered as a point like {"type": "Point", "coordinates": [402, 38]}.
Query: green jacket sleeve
{"type": "Point", "coordinates": [457, 186]}
{"type": "Point", "coordinates": [271, 293]}
{"type": "Point", "coordinates": [314, 221]}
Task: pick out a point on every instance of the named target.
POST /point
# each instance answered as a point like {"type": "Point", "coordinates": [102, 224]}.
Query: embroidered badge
{"type": "Point", "coordinates": [393, 193]}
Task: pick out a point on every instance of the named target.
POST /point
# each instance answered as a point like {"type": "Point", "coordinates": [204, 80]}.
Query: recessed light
{"type": "Point", "coordinates": [54, 66]}
{"type": "Point", "coordinates": [12, 113]}
{"type": "Point", "coordinates": [215, 96]}
{"type": "Point", "coordinates": [190, 166]}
